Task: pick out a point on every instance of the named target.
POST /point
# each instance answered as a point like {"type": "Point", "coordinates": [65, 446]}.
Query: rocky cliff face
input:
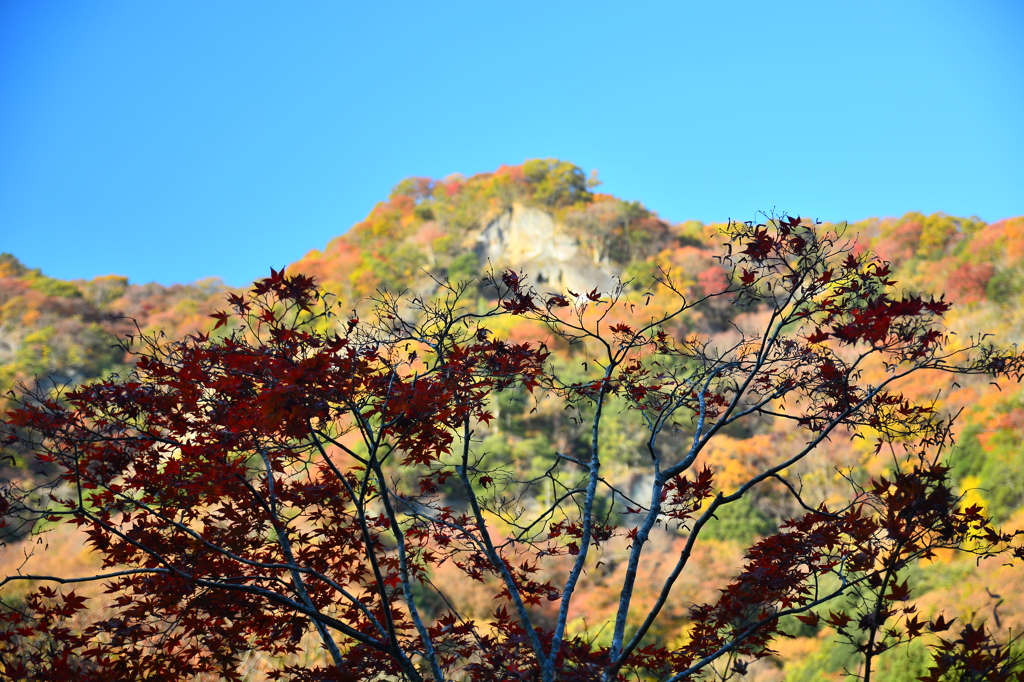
{"type": "Point", "coordinates": [529, 239]}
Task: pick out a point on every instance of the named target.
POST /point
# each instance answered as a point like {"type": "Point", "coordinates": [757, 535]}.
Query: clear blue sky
{"type": "Point", "coordinates": [171, 141]}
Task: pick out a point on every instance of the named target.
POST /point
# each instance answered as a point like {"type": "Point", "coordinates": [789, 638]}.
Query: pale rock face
{"type": "Point", "coordinates": [529, 240]}
{"type": "Point", "coordinates": [9, 344]}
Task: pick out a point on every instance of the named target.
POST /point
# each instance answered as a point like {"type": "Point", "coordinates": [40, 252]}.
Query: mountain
{"type": "Point", "coordinates": [546, 219]}
{"type": "Point", "coordinates": [541, 217]}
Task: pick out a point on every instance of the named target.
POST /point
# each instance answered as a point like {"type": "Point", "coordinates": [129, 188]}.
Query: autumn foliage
{"type": "Point", "coordinates": [299, 469]}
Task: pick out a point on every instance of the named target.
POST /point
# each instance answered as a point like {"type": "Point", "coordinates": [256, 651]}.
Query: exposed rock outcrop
{"type": "Point", "coordinates": [529, 239]}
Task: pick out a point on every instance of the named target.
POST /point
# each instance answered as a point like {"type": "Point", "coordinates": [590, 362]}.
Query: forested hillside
{"type": "Point", "coordinates": [547, 220]}
{"type": "Point", "coordinates": [66, 332]}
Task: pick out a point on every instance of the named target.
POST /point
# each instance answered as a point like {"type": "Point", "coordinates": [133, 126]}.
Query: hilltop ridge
{"type": "Point", "coordinates": [543, 218]}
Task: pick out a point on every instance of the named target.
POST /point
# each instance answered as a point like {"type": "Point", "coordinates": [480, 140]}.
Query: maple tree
{"type": "Point", "coordinates": [297, 469]}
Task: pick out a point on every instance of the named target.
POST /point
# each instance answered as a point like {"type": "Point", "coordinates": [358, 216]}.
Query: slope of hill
{"type": "Point", "coordinates": [63, 332]}
{"type": "Point", "coordinates": [541, 217]}
{"type": "Point", "coordinates": [545, 219]}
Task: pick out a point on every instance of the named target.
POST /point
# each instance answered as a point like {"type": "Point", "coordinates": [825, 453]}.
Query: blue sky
{"type": "Point", "coordinates": [169, 141]}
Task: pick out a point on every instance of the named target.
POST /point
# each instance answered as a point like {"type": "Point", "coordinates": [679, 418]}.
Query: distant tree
{"type": "Point", "coordinates": [299, 471]}
{"type": "Point", "coordinates": [463, 267]}
{"type": "Point", "coordinates": [556, 183]}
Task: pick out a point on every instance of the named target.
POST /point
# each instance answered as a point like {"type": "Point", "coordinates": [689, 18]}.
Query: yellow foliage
{"type": "Point", "coordinates": [736, 461]}
{"type": "Point", "coordinates": [972, 493]}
